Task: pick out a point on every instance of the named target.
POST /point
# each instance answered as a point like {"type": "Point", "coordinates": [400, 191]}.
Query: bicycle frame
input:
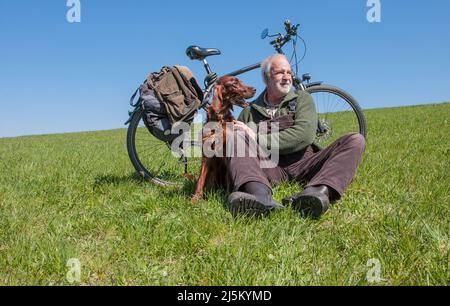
{"type": "Point", "coordinates": [302, 83]}
{"type": "Point", "coordinates": [207, 92]}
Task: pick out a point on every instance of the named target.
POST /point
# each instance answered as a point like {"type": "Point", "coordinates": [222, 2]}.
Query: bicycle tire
{"type": "Point", "coordinates": [349, 106]}
{"type": "Point", "coordinates": [143, 168]}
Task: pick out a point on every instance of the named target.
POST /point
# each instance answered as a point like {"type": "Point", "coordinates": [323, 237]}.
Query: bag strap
{"type": "Point", "coordinates": [133, 97]}
{"type": "Point", "coordinates": [132, 103]}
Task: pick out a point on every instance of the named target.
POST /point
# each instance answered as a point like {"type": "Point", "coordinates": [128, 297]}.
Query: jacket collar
{"type": "Point", "coordinates": [260, 105]}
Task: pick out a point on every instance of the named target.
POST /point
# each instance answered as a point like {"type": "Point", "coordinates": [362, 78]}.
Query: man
{"type": "Point", "coordinates": [327, 172]}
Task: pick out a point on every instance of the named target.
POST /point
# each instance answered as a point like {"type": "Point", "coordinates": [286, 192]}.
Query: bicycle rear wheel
{"type": "Point", "coordinates": [153, 159]}
{"type": "Point", "coordinates": [339, 114]}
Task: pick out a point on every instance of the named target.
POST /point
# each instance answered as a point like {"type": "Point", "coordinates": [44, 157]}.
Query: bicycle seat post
{"type": "Point", "coordinates": [208, 69]}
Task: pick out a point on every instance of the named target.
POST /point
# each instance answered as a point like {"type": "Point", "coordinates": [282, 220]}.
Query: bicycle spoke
{"type": "Point", "coordinates": [336, 115]}
{"type": "Point", "coordinates": [158, 160]}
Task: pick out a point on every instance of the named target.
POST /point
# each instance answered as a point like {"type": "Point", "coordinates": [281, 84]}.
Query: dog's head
{"type": "Point", "coordinates": [231, 91]}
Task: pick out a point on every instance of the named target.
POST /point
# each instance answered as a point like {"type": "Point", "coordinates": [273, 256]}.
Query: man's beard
{"type": "Point", "coordinates": [283, 89]}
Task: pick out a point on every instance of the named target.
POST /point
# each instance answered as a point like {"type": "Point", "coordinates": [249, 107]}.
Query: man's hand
{"type": "Point", "coordinates": [280, 123]}
{"type": "Point", "coordinates": [238, 125]}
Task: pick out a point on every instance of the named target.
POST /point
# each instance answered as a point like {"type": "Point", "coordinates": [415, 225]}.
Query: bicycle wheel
{"type": "Point", "coordinates": [153, 159]}
{"type": "Point", "coordinates": [339, 114]}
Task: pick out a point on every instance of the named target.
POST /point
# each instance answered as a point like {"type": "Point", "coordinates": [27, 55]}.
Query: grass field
{"type": "Point", "coordinates": [76, 196]}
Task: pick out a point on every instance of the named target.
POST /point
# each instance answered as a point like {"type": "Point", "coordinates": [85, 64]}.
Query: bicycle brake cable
{"type": "Point", "coordinates": [294, 55]}
{"type": "Point", "coordinates": [294, 42]}
{"type": "Point", "coordinates": [304, 53]}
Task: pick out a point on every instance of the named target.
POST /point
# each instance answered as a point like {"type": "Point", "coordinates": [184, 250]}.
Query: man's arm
{"type": "Point", "coordinates": [302, 133]}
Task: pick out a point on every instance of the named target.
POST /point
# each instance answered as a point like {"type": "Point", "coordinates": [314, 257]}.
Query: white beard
{"type": "Point", "coordinates": [283, 89]}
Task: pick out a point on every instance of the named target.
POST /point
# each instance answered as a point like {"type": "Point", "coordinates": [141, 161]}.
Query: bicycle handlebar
{"type": "Point", "coordinates": [288, 26]}
{"type": "Point", "coordinates": [291, 31]}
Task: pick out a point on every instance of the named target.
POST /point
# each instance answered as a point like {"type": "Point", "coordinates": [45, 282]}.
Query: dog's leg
{"type": "Point", "coordinates": [201, 181]}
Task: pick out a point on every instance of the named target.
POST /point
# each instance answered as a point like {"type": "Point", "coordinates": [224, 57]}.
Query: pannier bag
{"type": "Point", "coordinates": [167, 97]}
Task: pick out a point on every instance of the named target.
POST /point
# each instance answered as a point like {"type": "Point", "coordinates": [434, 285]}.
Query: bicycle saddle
{"type": "Point", "coordinates": [197, 53]}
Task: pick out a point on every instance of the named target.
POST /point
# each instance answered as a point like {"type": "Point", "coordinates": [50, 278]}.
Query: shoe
{"type": "Point", "coordinates": [313, 201]}
{"type": "Point", "coordinates": [255, 200]}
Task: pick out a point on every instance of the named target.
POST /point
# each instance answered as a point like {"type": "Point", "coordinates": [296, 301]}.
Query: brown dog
{"type": "Point", "coordinates": [229, 91]}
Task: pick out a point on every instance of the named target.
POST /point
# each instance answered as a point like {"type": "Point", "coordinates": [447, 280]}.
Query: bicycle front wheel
{"type": "Point", "coordinates": [339, 114]}
{"type": "Point", "coordinates": [152, 158]}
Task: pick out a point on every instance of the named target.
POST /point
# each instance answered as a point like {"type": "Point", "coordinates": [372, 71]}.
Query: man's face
{"type": "Point", "coordinates": [279, 82]}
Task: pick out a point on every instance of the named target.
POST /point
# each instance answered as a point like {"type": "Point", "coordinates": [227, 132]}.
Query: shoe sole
{"type": "Point", "coordinates": [247, 207]}
{"type": "Point", "coordinates": [309, 205]}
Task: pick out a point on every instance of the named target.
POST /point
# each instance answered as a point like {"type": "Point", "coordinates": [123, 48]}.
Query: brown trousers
{"type": "Point", "coordinates": [334, 166]}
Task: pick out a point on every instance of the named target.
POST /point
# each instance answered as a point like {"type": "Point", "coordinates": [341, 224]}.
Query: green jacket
{"type": "Point", "coordinates": [295, 138]}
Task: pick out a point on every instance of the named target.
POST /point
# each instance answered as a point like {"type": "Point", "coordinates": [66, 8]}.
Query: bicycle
{"type": "Point", "coordinates": [339, 113]}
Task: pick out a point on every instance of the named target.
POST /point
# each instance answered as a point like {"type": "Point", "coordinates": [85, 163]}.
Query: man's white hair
{"type": "Point", "coordinates": [267, 64]}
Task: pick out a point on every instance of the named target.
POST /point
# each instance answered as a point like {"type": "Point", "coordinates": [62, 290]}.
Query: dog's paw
{"type": "Point", "coordinates": [195, 198]}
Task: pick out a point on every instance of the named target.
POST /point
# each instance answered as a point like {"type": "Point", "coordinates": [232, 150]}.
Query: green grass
{"type": "Point", "coordinates": [76, 196]}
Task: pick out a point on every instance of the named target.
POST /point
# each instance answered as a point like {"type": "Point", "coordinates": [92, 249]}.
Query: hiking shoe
{"type": "Point", "coordinates": [241, 203]}
{"type": "Point", "coordinates": [313, 201]}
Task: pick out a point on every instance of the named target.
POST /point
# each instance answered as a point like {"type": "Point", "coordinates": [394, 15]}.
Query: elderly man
{"type": "Point", "coordinates": [327, 172]}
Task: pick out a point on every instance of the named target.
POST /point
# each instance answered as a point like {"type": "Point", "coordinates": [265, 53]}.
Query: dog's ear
{"type": "Point", "coordinates": [218, 98]}
{"type": "Point", "coordinates": [219, 92]}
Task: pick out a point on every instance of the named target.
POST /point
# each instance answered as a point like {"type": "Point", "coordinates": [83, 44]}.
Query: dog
{"type": "Point", "coordinates": [229, 91]}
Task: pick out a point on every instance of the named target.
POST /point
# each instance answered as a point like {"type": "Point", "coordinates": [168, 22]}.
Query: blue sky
{"type": "Point", "coordinates": [59, 77]}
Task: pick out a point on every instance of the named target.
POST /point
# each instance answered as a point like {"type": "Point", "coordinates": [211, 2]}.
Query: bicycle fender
{"type": "Point", "coordinates": [313, 84]}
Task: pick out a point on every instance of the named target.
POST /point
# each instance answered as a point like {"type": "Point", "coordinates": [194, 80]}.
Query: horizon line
{"type": "Point", "coordinates": [113, 129]}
